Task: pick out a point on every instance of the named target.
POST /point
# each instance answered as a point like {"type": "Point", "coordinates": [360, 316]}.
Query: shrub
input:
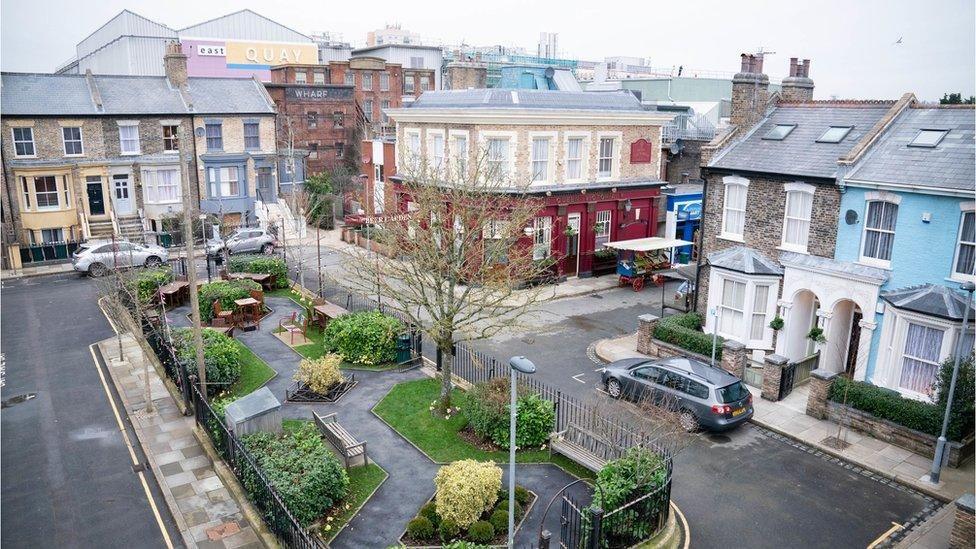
{"type": "Point", "coordinates": [522, 496]}
{"type": "Point", "coordinates": [309, 477]}
{"type": "Point", "coordinates": [486, 408]}
{"type": "Point", "coordinates": [534, 421]}
{"type": "Point", "coordinates": [448, 530]}
{"type": "Point", "coordinates": [221, 357]}
{"type": "Point", "coordinates": [261, 264]}
{"type": "Point", "coordinates": [225, 291]}
{"type": "Point", "coordinates": [148, 281]}
{"type": "Point", "coordinates": [499, 519]}
{"type": "Point", "coordinates": [961, 421]}
{"type": "Point", "coordinates": [364, 338]}
{"type": "Point", "coordinates": [429, 510]}
{"type": "Point", "coordinates": [481, 532]}
{"type": "Point", "coordinates": [502, 505]}
{"type": "Point", "coordinates": [466, 489]}
{"type": "Point", "coordinates": [420, 528]}
{"type": "Point", "coordinates": [685, 332]}
{"type": "Point", "coordinates": [622, 480]}
{"type": "Point", "coordinates": [320, 374]}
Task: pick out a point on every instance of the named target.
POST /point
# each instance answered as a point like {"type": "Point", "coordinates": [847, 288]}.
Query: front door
{"type": "Point", "coordinates": [96, 200]}
{"type": "Point", "coordinates": [853, 345]}
{"type": "Point", "coordinates": [571, 263]}
{"type": "Point", "coordinates": [122, 194]}
{"type": "Point", "coordinates": [265, 184]}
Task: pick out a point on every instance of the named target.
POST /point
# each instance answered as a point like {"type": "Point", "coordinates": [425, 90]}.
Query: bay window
{"type": "Point", "coordinates": [129, 138]}
{"type": "Point", "coordinates": [732, 308]}
{"type": "Point", "coordinates": [879, 232]}
{"type": "Point", "coordinates": [741, 307]}
{"type": "Point", "coordinates": [734, 209]}
{"type": "Point", "coordinates": [965, 261]}
{"type": "Point", "coordinates": [923, 345]}
{"type": "Point", "coordinates": [46, 192]}
{"type": "Point", "coordinates": [760, 303]}
{"type": "Point", "coordinates": [162, 184]}
{"type": "Point", "coordinates": [601, 229]}
{"type": "Point", "coordinates": [224, 182]}
{"type": "Point", "coordinates": [542, 238]}
{"type": "Point", "coordinates": [796, 216]}
{"type": "Point", "coordinates": [540, 159]}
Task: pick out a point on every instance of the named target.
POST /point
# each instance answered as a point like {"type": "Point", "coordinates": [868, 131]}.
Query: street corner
{"type": "Point", "coordinates": [609, 350]}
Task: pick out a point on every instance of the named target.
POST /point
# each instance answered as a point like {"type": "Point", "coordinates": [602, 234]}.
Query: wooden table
{"type": "Point", "coordinates": [326, 312]}
{"type": "Point", "coordinates": [263, 279]}
{"type": "Point", "coordinates": [254, 305]}
{"type": "Point", "coordinates": [173, 293]}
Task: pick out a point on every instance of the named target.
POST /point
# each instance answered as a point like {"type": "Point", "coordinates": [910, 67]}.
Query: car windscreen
{"type": "Point", "coordinates": [732, 393]}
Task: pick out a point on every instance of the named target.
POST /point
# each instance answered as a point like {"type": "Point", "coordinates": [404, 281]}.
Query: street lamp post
{"type": "Point", "coordinates": [940, 446]}
{"type": "Point", "coordinates": [524, 365]}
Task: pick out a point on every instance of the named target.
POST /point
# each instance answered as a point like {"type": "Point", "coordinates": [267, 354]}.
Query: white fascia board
{"type": "Point", "coordinates": [531, 117]}
{"type": "Point", "coordinates": [921, 189]}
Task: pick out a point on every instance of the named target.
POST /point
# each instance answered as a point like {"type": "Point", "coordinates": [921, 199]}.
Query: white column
{"type": "Point", "coordinates": [863, 349]}
{"type": "Point", "coordinates": [782, 341]}
{"type": "Point", "coordinates": [823, 322]}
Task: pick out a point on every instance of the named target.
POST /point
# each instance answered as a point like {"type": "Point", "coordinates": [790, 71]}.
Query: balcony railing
{"type": "Point", "coordinates": [695, 127]}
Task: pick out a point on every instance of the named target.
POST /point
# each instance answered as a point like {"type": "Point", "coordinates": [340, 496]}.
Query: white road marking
{"type": "Point", "coordinates": [576, 377]}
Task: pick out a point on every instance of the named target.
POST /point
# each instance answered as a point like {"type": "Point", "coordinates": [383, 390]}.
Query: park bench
{"type": "Point", "coordinates": [352, 453]}
{"type": "Point", "coordinates": [584, 447]}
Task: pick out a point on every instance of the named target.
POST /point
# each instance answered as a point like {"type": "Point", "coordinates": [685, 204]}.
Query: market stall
{"type": "Point", "coordinates": [643, 258]}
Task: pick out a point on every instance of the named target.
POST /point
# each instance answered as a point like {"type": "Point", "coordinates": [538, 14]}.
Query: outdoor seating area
{"type": "Point", "coordinates": [352, 452]}
{"type": "Point", "coordinates": [583, 447]}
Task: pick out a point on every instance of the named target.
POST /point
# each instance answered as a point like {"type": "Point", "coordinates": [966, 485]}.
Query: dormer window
{"type": "Point", "coordinates": [779, 132]}
{"type": "Point", "coordinates": [835, 134]}
{"type": "Point", "coordinates": [928, 138]}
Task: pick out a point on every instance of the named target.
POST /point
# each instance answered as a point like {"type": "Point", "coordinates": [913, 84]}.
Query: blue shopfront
{"type": "Point", "coordinates": [685, 202]}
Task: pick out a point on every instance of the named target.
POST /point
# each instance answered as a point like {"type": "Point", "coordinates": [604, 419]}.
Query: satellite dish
{"type": "Point", "coordinates": [200, 132]}
{"type": "Point", "coordinates": [677, 146]}
{"type": "Point", "coordinates": [550, 72]}
{"type": "Point", "coordinates": [850, 217]}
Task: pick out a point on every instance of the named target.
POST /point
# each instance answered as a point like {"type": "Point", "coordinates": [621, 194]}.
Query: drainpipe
{"type": "Point", "coordinates": [701, 238]}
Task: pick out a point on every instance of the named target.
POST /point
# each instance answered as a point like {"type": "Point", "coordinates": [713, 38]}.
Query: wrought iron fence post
{"type": "Point", "coordinates": [596, 527]}
{"type": "Point", "coordinates": [544, 539]}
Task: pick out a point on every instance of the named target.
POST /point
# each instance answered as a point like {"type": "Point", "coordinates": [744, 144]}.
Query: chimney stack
{"type": "Point", "coordinates": [750, 92]}
{"type": "Point", "coordinates": [798, 87]}
{"type": "Point", "coordinates": [174, 63]}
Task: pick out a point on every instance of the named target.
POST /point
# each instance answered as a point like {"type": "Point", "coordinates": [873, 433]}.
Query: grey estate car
{"type": "Point", "coordinates": [707, 397]}
{"type": "Point", "coordinates": [98, 257]}
{"type": "Point", "coordinates": [244, 240]}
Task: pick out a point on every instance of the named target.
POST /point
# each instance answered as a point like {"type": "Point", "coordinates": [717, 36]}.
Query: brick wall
{"type": "Point", "coordinates": [963, 526]}
{"type": "Point", "coordinates": [750, 93]}
{"type": "Point", "coordinates": [820, 384]}
{"type": "Point", "coordinates": [232, 128]}
{"type": "Point", "coordinates": [461, 76]}
{"type": "Point", "coordinates": [689, 161]}
{"type": "Point", "coordinates": [772, 374]}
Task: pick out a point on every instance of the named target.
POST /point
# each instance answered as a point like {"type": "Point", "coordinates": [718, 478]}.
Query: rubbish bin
{"type": "Point", "coordinates": [403, 348]}
{"type": "Point", "coordinates": [165, 240]}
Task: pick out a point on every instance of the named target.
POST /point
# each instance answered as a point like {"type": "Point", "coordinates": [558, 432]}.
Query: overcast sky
{"type": "Point", "coordinates": [852, 43]}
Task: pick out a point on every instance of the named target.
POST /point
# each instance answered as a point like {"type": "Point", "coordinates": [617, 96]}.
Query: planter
{"type": "Point", "coordinates": [299, 392]}
{"type": "Point", "coordinates": [499, 541]}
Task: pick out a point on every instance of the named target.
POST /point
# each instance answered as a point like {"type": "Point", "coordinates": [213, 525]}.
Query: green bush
{"type": "Point", "coordinates": [685, 331]}
{"type": "Point", "coordinates": [225, 291]}
{"type": "Point", "coordinates": [466, 489]}
{"type": "Point", "coordinates": [448, 530]}
{"type": "Point", "coordinates": [148, 281]}
{"type": "Point", "coordinates": [309, 477]}
{"type": "Point", "coordinates": [502, 505]}
{"type": "Point", "coordinates": [486, 407]}
{"type": "Point", "coordinates": [260, 264]}
{"type": "Point", "coordinates": [420, 528]}
{"type": "Point", "coordinates": [522, 496]}
{"type": "Point", "coordinates": [481, 532]}
{"type": "Point", "coordinates": [914, 414]}
{"type": "Point", "coordinates": [638, 473]}
{"type": "Point", "coordinates": [221, 357]}
{"type": "Point", "coordinates": [429, 510]}
{"type": "Point", "coordinates": [363, 338]}
{"type": "Point", "coordinates": [499, 519]}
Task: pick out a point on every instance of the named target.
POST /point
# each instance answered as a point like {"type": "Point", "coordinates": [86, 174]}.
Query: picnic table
{"type": "Point", "coordinates": [174, 293]}
{"type": "Point", "coordinates": [326, 312]}
{"type": "Point", "coordinates": [251, 309]}
{"type": "Point", "coordinates": [264, 279]}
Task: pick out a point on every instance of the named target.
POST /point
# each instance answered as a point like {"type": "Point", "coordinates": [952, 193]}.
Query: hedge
{"type": "Point", "coordinates": [260, 264]}
{"type": "Point", "coordinates": [921, 416]}
{"type": "Point", "coordinates": [685, 331]}
{"type": "Point", "coordinates": [363, 338]}
{"type": "Point", "coordinates": [221, 357]}
{"type": "Point", "coordinates": [226, 291]}
{"type": "Point", "coordinates": [148, 281]}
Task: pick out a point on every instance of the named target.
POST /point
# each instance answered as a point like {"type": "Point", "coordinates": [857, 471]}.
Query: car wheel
{"type": "Point", "coordinates": [153, 261]}
{"type": "Point", "coordinates": [688, 421]}
{"type": "Point", "coordinates": [267, 249]}
{"type": "Point", "coordinates": [97, 270]}
{"type": "Point", "coordinates": [613, 388]}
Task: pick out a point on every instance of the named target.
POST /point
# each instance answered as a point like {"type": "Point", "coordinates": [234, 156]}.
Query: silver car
{"type": "Point", "coordinates": [99, 257]}
{"type": "Point", "coordinates": [246, 240]}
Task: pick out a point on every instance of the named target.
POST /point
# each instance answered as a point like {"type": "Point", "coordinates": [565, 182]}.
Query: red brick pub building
{"type": "Point", "coordinates": [592, 157]}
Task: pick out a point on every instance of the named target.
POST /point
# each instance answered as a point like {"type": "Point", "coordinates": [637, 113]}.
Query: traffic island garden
{"type": "Point", "coordinates": [232, 369]}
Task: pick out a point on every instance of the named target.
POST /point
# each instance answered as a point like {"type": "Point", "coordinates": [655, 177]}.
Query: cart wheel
{"type": "Point", "coordinates": [658, 280]}
{"type": "Point", "coordinates": [622, 281]}
{"type": "Point", "coordinates": [638, 284]}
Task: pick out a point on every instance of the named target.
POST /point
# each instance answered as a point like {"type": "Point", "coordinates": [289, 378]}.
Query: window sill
{"type": "Point", "coordinates": [163, 202]}
{"type": "Point", "coordinates": [171, 152]}
{"type": "Point", "coordinates": [25, 156]}
{"type": "Point", "coordinates": [732, 238]}
{"type": "Point", "coordinates": [795, 249]}
{"type": "Point", "coordinates": [137, 153]}
{"type": "Point", "coordinates": [82, 155]}
{"type": "Point", "coordinates": [868, 262]}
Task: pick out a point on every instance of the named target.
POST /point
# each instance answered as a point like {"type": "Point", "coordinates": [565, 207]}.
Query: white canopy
{"type": "Point", "coordinates": [648, 244]}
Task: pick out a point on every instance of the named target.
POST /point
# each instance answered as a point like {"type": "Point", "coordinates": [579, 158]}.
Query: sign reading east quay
{"type": "Point", "coordinates": [640, 152]}
{"type": "Point", "coordinates": [212, 51]}
{"type": "Point", "coordinates": [318, 93]}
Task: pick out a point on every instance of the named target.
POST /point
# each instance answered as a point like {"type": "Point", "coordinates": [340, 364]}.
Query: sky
{"type": "Point", "coordinates": [852, 44]}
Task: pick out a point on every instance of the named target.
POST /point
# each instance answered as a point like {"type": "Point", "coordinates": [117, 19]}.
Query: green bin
{"type": "Point", "coordinates": [165, 240]}
{"type": "Point", "coordinates": [403, 348]}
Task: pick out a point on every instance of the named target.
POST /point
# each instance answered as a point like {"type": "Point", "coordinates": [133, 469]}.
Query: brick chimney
{"type": "Point", "coordinates": [174, 63]}
{"type": "Point", "coordinates": [798, 87]}
{"type": "Point", "coordinates": [750, 91]}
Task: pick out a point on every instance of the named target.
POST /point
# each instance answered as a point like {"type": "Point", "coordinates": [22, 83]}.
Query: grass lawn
{"type": "Point", "coordinates": [254, 373]}
{"type": "Point", "coordinates": [407, 409]}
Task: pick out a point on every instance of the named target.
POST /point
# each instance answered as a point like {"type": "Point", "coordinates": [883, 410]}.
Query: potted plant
{"type": "Point", "coordinates": [817, 334]}
{"type": "Point", "coordinates": [776, 323]}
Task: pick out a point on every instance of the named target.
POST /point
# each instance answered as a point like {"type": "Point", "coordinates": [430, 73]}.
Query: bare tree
{"type": "Point", "coordinates": [652, 420]}
{"type": "Point", "coordinates": [461, 250]}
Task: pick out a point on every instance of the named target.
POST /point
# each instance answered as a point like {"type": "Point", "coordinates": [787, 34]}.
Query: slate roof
{"type": "Point", "coordinates": [744, 260]}
{"type": "Point", "coordinates": [799, 153]}
{"type": "Point", "coordinates": [929, 299]}
{"type": "Point", "coordinates": [31, 94]}
{"type": "Point", "coordinates": [835, 266]}
{"type": "Point", "coordinates": [616, 100]}
{"type": "Point", "coordinates": [949, 165]}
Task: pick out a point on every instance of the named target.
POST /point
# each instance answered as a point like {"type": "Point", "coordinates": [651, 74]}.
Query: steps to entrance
{"type": "Point", "coordinates": [131, 228]}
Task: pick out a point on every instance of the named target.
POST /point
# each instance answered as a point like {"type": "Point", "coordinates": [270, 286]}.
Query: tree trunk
{"type": "Point", "coordinates": [447, 383]}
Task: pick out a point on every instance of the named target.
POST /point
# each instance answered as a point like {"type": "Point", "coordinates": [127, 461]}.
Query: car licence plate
{"type": "Point", "coordinates": [738, 412]}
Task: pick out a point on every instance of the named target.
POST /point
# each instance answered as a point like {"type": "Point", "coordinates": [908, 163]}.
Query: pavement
{"type": "Point", "coordinates": [788, 417]}
{"type": "Point", "coordinates": [933, 533]}
{"type": "Point", "coordinates": [39, 270]}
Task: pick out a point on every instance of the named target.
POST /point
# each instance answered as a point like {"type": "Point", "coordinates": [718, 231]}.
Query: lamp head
{"type": "Point", "coordinates": [522, 364]}
{"type": "Point", "coordinates": [968, 286]}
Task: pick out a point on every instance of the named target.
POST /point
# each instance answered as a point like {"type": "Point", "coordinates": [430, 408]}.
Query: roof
{"type": "Point", "coordinates": [31, 94]}
{"type": "Point", "coordinates": [929, 299]}
{"type": "Point", "coordinates": [648, 244]}
{"type": "Point", "coordinates": [949, 165]}
{"type": "Point", "coordinates": [847, 269]}
{"type": "Point", "coordinates": [799, 153]}
{"type": "Point", "coordinates": [744, 260]}
{"type": "Point", "coordinates": [244, 25]}
{"type": "Point", "coordinates": [255, 404]}
{"type": "Point", "coordinates": [527, 99]}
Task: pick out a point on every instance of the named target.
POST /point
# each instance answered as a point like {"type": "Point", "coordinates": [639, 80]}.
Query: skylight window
{"type": "Point", "coordinates": [835, 134]}
{"type": "Point", "coordinates": [780, 132]}
{"type": "Point", "coordinates": [928, 138]}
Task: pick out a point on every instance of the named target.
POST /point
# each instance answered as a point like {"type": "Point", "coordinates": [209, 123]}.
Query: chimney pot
{"type": "Point", "coordinates": [806, 68]}
{"type": "Point", "coordinates": [745, 63]}
{"type": "Point", "coordinates": [759, 64]}
{"type": "Point", "coordinates": [793, 66]}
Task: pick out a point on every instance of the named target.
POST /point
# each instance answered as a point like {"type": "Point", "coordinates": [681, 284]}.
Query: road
{"type": "Point", "coordinates": [68, 479]}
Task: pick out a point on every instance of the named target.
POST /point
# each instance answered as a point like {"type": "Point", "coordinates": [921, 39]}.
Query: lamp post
{"type": "Point", "coordinates": [940, 446]}
{"type": "Point", "coordinates": [524, 365]}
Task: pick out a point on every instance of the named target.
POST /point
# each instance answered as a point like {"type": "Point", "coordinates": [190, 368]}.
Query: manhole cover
{"type": "Point", "coordinates": [7, 403]}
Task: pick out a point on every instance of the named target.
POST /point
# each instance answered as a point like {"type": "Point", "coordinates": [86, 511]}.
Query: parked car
{"type": "Point", "coordinates": [253, 240]}
{"type": "Point", "coordinates": [98, 257]}
{"type": "Point", "coordinates": [707, 397]}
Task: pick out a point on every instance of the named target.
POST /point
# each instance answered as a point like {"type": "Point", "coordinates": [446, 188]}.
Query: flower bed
{"type": "Point", "coordinates": [226, 292]}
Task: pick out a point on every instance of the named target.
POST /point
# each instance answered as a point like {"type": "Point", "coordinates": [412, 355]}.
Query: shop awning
{"type": "Point", "coordinates": [648, 244]}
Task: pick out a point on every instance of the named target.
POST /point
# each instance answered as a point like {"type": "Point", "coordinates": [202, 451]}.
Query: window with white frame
{"type": "Point", "coordinates": [879, 231]}
{"type": "Point", "coordinates": [920, 359]}
{"type": "Point", "coordinates": [71, 136]}
{"type": "Point", "coordinates": [51, 236]}
{"type": "Point", "coordinates": [542, 237]}
{"type": "Point", "coordinates": [411, 152]}
{"type": "Point", "coordinates": [760, 305]}
{"type": "Point", "coordinates": [26, 192]}
{"type": "Point", "coordinates": [215, 136]}
{"type": "Point", "coordinates": [384, 81]}
{"type": "Point", "coordinates": [318, 77]}
{"type": "Point", "coordinates": [368, 109]}
{"type": "Point", "coordinates": [46, 192]}
{"type": "Point", "coordinates": [601, 229]}
{"type": "Point", "coordinates": [540, 159]}
{"type": "Point", "coordinates": [424, 83]}
{"type": "Point", "coordinates": [743, 306]}
{"type": "Point", "coordinates": [252, 136]}
{"type": "Point", "coordinates": [349, 78]}
{"type": "Point", "coordinates": [732, 307]}
{"type": "Point", "coordinates": [409, 84]}
{"type": "Point", "coordinates": [162, 185]}
{"type": "Point", "coordinates": [965, 263]}
{"type": "Point", "coordinates": [129, 138]}
{"type": "Point", "coordinates": [796, 216]}
{"type": "Point", "coordinates": [224, 182]}
{"type": "Point", "coordinates": [498, 156]}
{"type": "Point", "coordinates": [459, 153]}
{"type": "Point", "coordinates": [384, 106]}
{"type": "Point", "coordinates": [23, 141]}
{"type": "Point", "coordinates": [436, 145]}
{"type": "Point", "coordinates": [574, 158]}
{"type": "Point", "coordinates": [171, 141]}
{"type": "Point", "coordinates": [494, 244]}
{"type": "Point", "coordinates": [734, 209]}
{"type": "Point", "coordinates": [606, 158]}
{"type": "Point", "coordinates": [301, 77]}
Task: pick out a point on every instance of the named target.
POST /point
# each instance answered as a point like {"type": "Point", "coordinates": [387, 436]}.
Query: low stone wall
{"type": "Point", "coordinates": [914, 441]}
{"type": "Point", "coordinates": [963, 528]}
{"type": "Point", "coordinates": [733, 353]}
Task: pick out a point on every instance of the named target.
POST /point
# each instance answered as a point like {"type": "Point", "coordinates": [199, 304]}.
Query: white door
{"type": "Point", "coordinates": [122, 194]}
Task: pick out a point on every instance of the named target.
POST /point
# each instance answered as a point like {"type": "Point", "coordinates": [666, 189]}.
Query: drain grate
{"type": "Point", "coordinates": [7, 403]}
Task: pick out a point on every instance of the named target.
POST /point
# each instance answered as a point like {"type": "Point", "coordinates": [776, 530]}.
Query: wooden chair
{"type": "Point", "coordinates": [258, 295]}
{"type": "Point", "coordinates": [220, 322]}
{"type": "Point", "coordinates": [295, 324]}
{"type": "Point", "coordinates": [220, 312]}
{"type": "Point", "coordinates": [224, 275]}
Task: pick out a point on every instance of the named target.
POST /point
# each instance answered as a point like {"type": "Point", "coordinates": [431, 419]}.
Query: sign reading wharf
{"type": "Point", "coordinates": [318, 93]}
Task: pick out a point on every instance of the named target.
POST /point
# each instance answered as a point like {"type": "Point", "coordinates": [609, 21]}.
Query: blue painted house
{"type": "Point", "coordinates": [907, 220]}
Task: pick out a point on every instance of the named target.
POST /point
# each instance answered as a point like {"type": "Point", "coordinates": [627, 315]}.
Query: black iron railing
{"type": "Point", "coordinates": [50, 252]}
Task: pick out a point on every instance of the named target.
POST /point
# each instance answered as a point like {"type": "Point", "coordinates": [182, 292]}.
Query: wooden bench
{"type": "Point", "coordinates": [584, 447]}
{"type": "Point", "coordinates": [325, 312]}
{"type": "Point", "coordinates": [353, 453]}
